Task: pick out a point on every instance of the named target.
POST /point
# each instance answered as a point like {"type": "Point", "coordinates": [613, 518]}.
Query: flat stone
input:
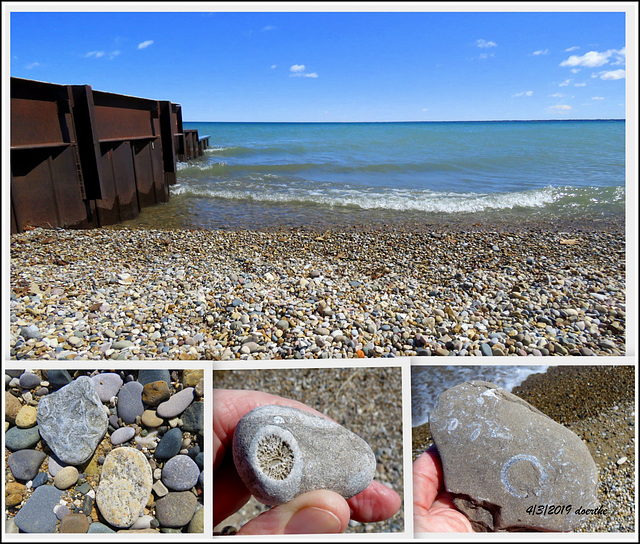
{"type": "Point", "coordinates": [154, 393]}
{"type": "Point", "coordinates": [282, 452]}
{"type": "Point", "coordinates": [150, 419]}
{"type": "Point", "coordinates": [122, 435]}
{"type": "Point", "coordinates": [176, 509]}
{"type": "Point", "coordinates": [61, 510]}
{"type": "Point", "coordinates": [130, 402]}
{"type": "Point", "coordinates": [66, 477]}
{"type": "Point", "coordinates": [41, 479]}
{"type": "Point", "coordinates": [176, 404]}
{"type": "Point", "coordinates": [36, 515]}
{"type": "Point", "coordinates": [169, 445]}
{"type": "Point", "coordinates": [21, 439]}
{"type": "Point", "coordinates": [160, 489]}
{"type": "Point", "coordinates": [29, 380]}
{"type": "Point", "coordinates": [72, 421]}
{"type": "Point", "coordinates": [501, 455]}
{"type": "Point", "coordinates": [180, 473]}
{"type": "Point", "coordinates": [193, 418]}
{"type": "Point", "coordinates": [107, 385]}
{"type": "Point", "coordinates": [97, 527]}
{"type": "Point", "coordinates": [150, 375]}
{"type": "Point", "coordinates": [75, 523]}
{"type": "Point", "coordinates": [125, 486]}
{"type": "Point", "coordinates": [26, 417]}
{"type": "Point", "coordinates": [24, 464]}
{"type": "Point", "coordinates": [58, 378]}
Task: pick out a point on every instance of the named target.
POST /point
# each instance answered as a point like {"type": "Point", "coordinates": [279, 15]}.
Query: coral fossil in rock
{"type": "Point", "coordinates": [275, 457]}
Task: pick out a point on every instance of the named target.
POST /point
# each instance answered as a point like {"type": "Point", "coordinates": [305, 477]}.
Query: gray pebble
{"type": "Point", "coordinates": [122, 435]}
{"type": "Point", "coordinates": [36, 515]}
{"type": "Point", "coordinates": [20, 439]}
{"type": "Point", "coordinates": [180, 473]}
{"type": "Point", "coordinates": [176, 404]}
{"type": "Point", "coordinates": [24, 464]}
{"type": "Point", "coordinates": [176, 509]}
{"type": "Point", "coordinates": [28, 380]}
{"type": "Point", "coordinates": [169, 445]}
{"type": "Point", "coordinates": [107, 385]}
{"type": "Point", "coordinates": [130, 403]}
{"type": "Point", "coordinates": [282, 452]}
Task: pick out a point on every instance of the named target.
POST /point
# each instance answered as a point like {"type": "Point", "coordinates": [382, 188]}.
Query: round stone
{"type": "Point", "coordinates": [150, 419]}
{"type": "Point", "coordinates": [156, 392]}
{"type": "Point", "coordinates": [24, 464]}
{"type": "Point", "coordinates": [176, 509]}
{"type": "Point", "coordinates": [107, 385]}
{"type": "Point", "coordinates": [20, 439]}
{"type": "Point", "coordinates": [66, 477]}
{"type": "Point", "coordinates": [26, 417]}
{"type": "Point", "coordinates": [29, 380]}
{"type": "Point", "coordinates": [180, 473]}
{"type": "Point", "coordinates": [130, 402]}
{"type": "Point", "coordinates": [170, 444]}
{"type": "Point", "coordinates": [176, 404]}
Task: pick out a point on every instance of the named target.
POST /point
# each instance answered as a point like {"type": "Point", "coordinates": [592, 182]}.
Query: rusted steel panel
{"type": "Point", "coordinates": [124, 117]}
{"type": "Point", "coordinates": [168, 143]}
{"type": "Point", "coordinates": [143, 168]}
{"type": "Point", "coordinates": [121, 202]}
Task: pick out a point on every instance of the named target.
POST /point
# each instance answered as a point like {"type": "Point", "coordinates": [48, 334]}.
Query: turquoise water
{"type": "Point", "coordinates": [262, 174]}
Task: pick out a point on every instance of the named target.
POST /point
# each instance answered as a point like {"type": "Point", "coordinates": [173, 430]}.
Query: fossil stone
{"type": "Point", "coordinates": [504, 461]}
{"type": "Point", "coordinates": [72, 421]}
{"type": "Point", "coordinates": [282, 452]}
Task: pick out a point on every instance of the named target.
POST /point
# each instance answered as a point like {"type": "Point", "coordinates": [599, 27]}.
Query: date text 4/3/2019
{"type": "Point", "coordinates": [561, 509]}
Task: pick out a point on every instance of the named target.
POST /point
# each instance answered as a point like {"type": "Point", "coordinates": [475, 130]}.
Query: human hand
{"type": "Point", "coordinates": [433, 509]}
{"type": "Point", "coordinates": [320, 511]}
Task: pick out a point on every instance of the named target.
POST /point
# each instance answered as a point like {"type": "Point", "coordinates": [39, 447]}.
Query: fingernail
{"type": "Point", "coordinates": [313, 520]}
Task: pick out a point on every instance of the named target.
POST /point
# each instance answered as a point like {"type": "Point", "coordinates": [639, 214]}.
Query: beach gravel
{"type": "Point", "coordinates": [419, 290]}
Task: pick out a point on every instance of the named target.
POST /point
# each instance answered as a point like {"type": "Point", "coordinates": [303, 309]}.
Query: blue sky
{"type": "Point", "coordinates": [336, 66]}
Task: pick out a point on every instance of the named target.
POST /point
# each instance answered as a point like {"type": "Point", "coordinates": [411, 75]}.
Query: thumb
{"type": "Point", "coordinates": [315, 512]}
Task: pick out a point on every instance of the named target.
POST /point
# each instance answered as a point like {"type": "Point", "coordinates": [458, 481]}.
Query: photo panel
{"type": "Point", "coordinates": [364, 441]}
{"type": "Point", "coordinates": [524, 447]}
{"type": "Point", "coordinates": [100, 451]}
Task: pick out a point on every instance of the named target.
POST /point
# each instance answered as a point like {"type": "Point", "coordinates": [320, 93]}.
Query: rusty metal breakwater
{"type": "Point", "coordinates": [82, 158]}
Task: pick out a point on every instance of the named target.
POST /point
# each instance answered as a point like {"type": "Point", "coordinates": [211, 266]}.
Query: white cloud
{"type": "Point", "coordinates": [268, 28]}
{"type": "Point", "coordinates": [561, 108]}
{"type": "Point", "coordinates": [298, 70]}
{"type": "Point", "coordinates": [485, 44]}
{"type": "Point", "coordinates": [541, 52]}
{"type": "Point", "coordinates": [614, 74]}
{"type": "Point", "coordinates": [425, 109]}
{"type": "Point", "coordinates": [32, 65]}
{"type": "Point", "coordinates": [524, 93]}
{"type": "Point", "coordinates": [579, 84]}
{"type": "Point", "coordinates": [486, 55]}
{"type": "Point", "coordinates": [591, 59]}
{"type": "Point", "coordinates": [274, 66]}
{"type": "Point", "coordinates": [597, 98]}
{"type": "Point", "coordinates": [113, 54]}
{"type": "Point", "coordinates": [145, 44]}
{"type": "Point", "coordinates": [556, 95]}
{"type": "Point", "coordinates": [565, 83]}
{"type": "Point", "coordinates": [96, 54]}
{"type": "Point", "coordinates": [571, 48]}
{"type": "Point", "coordinates": [575, 70]}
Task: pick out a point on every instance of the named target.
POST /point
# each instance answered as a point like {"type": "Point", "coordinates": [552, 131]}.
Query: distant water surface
{"type": "Point", "coordinates": [276, 174]}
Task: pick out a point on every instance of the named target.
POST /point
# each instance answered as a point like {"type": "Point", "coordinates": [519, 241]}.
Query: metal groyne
{"type": "Point", "coordinates": [82, 158]}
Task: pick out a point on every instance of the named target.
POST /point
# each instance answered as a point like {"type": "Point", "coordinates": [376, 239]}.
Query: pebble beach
{"type": "Point", "coordinates": [598, 404]}
{"type": "Point", "coordinates": [128, 455]}
{"type": "Point", "coordinates": [294, 293]}
{"type": "Point", "coordinates": [365, 400]}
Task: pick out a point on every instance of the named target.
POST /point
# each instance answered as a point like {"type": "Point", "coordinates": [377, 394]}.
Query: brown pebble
{"type": "Point", "coordinates": [155, 392]}
{"type": "Point", "coordinates": [74, 523]}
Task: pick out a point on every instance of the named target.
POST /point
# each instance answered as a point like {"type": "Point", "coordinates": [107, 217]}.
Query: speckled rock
{"type": "Point", "coordinates": [180, 473]}
{"type": "Point", "coordinates": [125, 486]}
{"type": "Point", "coordinates": [176, 509]}
{"type": "Point", "coordinates": [282, 452]}
{"type": "Point", "coordinates": [26, 417]}
{"type": "Point", "coordinates": [196, 525]}
{"type": "Point", "coordinates": [36, 515]}
{"type": "Point", "coordinates": [500, 456]}
{"type": "Point", "coordinates": [72, 421]}
{"type": "Point", "coordinates": [11, 408]}
{"type": "Point", "coordinates": [177, 404]}
{"type": "Point", "coordinates": [193, 418]}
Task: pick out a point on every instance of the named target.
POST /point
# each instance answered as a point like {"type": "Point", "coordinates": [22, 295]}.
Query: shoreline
{"type": "Point", "coordinates": [598, 404]}
{"type": "Point", "coordinates": [123, 293]}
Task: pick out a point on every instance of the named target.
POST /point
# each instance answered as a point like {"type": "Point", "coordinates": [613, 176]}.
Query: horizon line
{"type": "Point", "coordinates": [449, 121]}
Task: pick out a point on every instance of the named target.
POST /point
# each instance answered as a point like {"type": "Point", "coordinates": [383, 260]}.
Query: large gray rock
{"type": "Point", "coordinates": [506, 463]}
{"type": "Point", "coordinates": [282, 452]}
{"type": "Point", "coordinates": [72, 421]}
